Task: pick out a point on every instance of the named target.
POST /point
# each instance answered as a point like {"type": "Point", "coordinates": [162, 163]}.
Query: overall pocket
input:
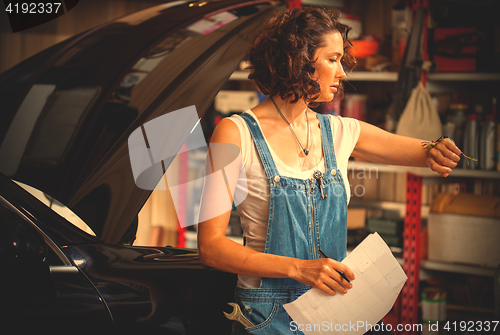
{"type": "Point", "coordinates": [267, 317]}
{"type": "Point", "coordinates": [260, 313]}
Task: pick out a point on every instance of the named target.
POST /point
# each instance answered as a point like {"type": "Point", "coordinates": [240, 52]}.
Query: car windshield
{"type": "Point", "coordinates": [57, 207]}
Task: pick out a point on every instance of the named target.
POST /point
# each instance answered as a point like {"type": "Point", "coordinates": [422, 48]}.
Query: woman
{"type": "Point", "coordinates": [296, 166]}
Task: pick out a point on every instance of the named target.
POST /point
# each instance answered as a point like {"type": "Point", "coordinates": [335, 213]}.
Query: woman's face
{"type": "Point", "coordinates": [329, 70]}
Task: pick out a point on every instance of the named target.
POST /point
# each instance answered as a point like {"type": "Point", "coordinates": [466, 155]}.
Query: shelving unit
{"type": "Point", "coordinates": [422, 171]}
{"type": "Point", "coordinates": [413, 211]}
{"type": "Point", "coordinates": [376, 84]}
{"type": "Point", "coordinates": [463, 76]}
{"type": "Point", "coordinates": [455, 268]}
{"type": "Point", "coordinates": [393, 76]}
{"type": "Point", "coordinates": [426, 174]}
{"type": "Point", "coordinates": [405, 310]}
{"type": "Point", "coordinates": [387, 205]}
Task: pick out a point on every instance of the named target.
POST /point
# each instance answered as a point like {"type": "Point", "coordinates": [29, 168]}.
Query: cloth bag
{"type": "Point", "coordinates": [420, 118]}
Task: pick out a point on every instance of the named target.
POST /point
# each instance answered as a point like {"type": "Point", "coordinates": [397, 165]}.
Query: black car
{"type": "Point", "coordinates": [66, 116]}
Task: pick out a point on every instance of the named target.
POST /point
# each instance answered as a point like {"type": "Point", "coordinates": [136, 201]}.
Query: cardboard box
{"type": "Point", "coordinates": [356, 218]}
{"type": "Point", "coordinates": [371, 188]}
{"type": "Point", "coordinates": [467, 204]}
{"type": "Point", "coordinates": [387, 186]}
{"type": "Point", "coordinates": [464, 239]}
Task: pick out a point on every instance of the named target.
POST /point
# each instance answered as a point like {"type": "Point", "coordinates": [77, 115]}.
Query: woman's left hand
{"type": "Point", "coordinates": [443, 157]}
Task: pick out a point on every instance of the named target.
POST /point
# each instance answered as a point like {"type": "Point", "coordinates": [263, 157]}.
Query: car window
{"type": "Point", "coordinates": [58, 207]}
{"type": "Point", "coordinates": [43, 133]}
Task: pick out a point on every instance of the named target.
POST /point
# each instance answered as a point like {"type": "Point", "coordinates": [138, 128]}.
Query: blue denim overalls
{"type": "Point", "coordinates": [300, 223]}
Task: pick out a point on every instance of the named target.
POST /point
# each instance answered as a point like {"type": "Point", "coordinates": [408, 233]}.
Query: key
{"type": "Point", "coordinates": [319, 178]}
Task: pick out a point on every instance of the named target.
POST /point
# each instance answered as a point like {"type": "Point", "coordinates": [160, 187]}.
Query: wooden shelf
{"type": "Point", "coordinates": [441, 76]}
{"type": "Point", "coordinates": [393, 76]}
{"type": "Point", "coordinates": [463, 76]}
{"type": "Point", "coordinates": [420, 171]}
{"type": "Point", "coordinates": [388, 205]}
{"type": "Point", "coordinates": [371, 76]}
{"type": "Point", "coordinates": [353, 76]}
{"type": "Point", "coordinates": [457, 268]}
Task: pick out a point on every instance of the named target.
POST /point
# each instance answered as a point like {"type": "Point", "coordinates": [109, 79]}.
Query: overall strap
{"type": "Point", "coordinates": [260, 143]}
{"type": "Point", "coordinates": [327, 139]}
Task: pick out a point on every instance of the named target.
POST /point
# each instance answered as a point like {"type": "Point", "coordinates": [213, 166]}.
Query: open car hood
{"type": "Point", "coordinates": [67, 112]}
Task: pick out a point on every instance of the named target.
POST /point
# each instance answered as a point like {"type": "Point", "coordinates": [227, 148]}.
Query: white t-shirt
{"type": "Point", "coordinates": [254, 210]}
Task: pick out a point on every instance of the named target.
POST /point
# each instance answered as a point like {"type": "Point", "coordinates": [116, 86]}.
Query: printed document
{"type": "Point", "coordinates": [378, 280]}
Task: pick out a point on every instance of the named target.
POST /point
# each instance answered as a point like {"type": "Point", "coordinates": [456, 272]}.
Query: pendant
{"type": "Point", "coordinates": [306, 151]}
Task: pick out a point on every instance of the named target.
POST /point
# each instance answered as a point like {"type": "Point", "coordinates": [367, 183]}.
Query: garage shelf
{"type": "Point", "coordinates": [457, 268]}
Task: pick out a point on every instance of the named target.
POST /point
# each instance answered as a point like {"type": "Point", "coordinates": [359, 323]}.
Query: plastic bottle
{"type": "Point", "coordinates": [498, 148]}
{"type": "Point", "coordinates": [487, 142]}
{"type": "Point", "coordinates": [471, 141]}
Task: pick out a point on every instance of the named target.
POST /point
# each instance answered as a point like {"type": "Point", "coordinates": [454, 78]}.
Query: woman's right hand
{"type": "Point", "coordinates": [322, 273]}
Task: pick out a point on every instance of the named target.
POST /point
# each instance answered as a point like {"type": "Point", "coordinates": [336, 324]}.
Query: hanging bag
{"type": "Point", "coordinates": [420, 118]}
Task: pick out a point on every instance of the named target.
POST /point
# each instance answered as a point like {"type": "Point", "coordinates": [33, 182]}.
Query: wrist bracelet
{"type": "Point", "coordinates": [431, 144]}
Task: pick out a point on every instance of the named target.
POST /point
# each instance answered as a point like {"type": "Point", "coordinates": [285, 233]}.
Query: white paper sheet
{"type": "Point", "coordinates": [379, 279]}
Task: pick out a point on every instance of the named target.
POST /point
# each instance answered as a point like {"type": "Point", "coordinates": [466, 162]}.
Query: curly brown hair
{"type": "Point", "coordinates": [281, 58]}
